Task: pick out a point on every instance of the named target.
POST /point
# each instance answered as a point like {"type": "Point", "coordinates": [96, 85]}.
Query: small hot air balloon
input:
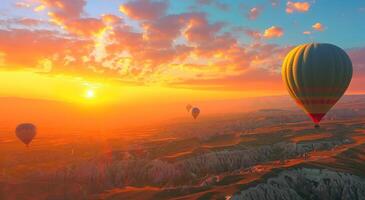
{"type": "Point", "coordinates": [188, 107]}
{"type": "Point", "coordinates": [26, 132]}
{"type": "Point", "coordinates": [195, 112]}
{"type": "Point", "coordinates": [316, 76]}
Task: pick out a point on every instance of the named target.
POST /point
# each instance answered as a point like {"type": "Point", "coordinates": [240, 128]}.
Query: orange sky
{"type": "Point", "coordinates": [140, 54]}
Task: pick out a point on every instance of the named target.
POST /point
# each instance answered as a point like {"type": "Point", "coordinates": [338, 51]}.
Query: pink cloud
{"type": "Point", "coordinates": [162, 32]}
{"type": "Point", "coordinates": [252, 77]}
{"type": "Point", "coordinates": [144, 9]}
{"type": "Point", "coordinates": [20, 53]}
{"type": "Point", "coordinates": [274, 3]}
{"type": "Point", "coordinates": [155, 44]}
{"type": "Point", "coordinates": [273, 32]}
{"type": "Point", "coordinates": [111, 19]}
{"type": "Point", "coordinates": [67, 14]}
{"type": "Point", "coordinates": [254, 34]}
{"type": "Point", "coordinates": [187, 44]}
{"type": "Point", "coordinates": [22, 5]}
{"type": "Point", "coordinates": [358, 63]}
{"type": "Point", "coordinates": [22, 21]}
{"type": "Point", "coordinates": [83, 26]}
{"type": "Point", "coordinates": [65, 9]}
{"type": "Point", "coordinates": [29, 21]}
{"type": "Point", "coordinates": [254, 12]}
{"type": "Point", "coordinates": [135, 55]}
{"type": "Point", "coordinates": [199, 30]}
{"type": "Point", "coordinates": [297, 6]}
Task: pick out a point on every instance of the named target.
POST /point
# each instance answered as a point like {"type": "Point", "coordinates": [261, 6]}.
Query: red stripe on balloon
{"type": "Point", "coordinates": [316, 117]}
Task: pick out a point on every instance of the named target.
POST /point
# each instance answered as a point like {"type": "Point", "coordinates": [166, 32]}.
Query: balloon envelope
{"type": "Point", "coordinates": [188, 107]}
{"type": "Point", "coordinates": [195, 112]}
{"type": "Point", "coordinates": [316, 76]}
{"type": "Point", "coordinates": [26, 132]}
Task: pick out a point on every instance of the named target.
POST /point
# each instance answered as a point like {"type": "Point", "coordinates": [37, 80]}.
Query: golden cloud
{"type": "Point", "coordinates": [318, 26]}
{"type": "Point", "coordinates": [273, 32]}
{"type": "Point", "coordinates": [297, 6]}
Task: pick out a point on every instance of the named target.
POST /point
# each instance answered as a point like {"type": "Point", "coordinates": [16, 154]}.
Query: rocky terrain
{"type": "Point", "coordinates": [116, 172]}
{"type": "Point", "coordinates": [306, 183]}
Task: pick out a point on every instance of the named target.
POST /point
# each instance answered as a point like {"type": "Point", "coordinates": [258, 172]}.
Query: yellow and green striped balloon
{"type": "Point", "coordinates": [316, 76]}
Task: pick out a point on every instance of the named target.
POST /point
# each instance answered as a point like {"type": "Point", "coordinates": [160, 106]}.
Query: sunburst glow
{"type": "Point", "coordinates": [89, 94]}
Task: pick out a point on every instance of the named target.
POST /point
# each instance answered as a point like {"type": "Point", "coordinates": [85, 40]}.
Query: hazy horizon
{"type": "Point", "coordinates": [182, 99]}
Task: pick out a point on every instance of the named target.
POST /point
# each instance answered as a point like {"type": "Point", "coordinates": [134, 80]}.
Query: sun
{"type": "Point", "coordinates": [89, 94]}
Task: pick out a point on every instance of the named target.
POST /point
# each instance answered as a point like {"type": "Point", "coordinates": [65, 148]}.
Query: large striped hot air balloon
{"type": "Point", "coordinates": [316, 76]}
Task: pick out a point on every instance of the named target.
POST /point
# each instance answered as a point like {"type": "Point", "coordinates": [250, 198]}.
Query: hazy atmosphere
{"type": "Point", "coordinates": [173, 99]}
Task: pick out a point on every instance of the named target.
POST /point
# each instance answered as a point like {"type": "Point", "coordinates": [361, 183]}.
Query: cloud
{"type": "Point", "coordinates": [155, 47]}
{"type": "Point", "coordinates": [165, 48]}
{"type": "Point", "coordinates": [221, 6]}
{"type": "Point", "coordinates": [254, 34]}
{"type": "Point", "coordinates": [274, 3]}
{"type": "Point", "coordinates": [21, 22]}
{"type": "Point", "coordinates": [144, 9]}
{"type": "Point", "coordinates": [39, 8]}
{"type": "Point", "coordinates": [358, 60]}
{"type": "Point", "coordinates": [358, 63]}
{"type": "Point", "coordinates": [161, 33]}
{"type": "Point", "coordinates": [22, 5]}
{"type": "Point", "coordinates": [292, 7]}
{"type": "Point", "coordinates": [307, 32]}
{"type": "Point", "coordinates": [318, 26]}
{"type": "Point", "coordinates": [199, 30]}
{"type": "Point", "coordinates": [84, 26]}
{"type": "Point", "coordinates": [29, 21]}
{"type": "Point", "coordinates": [261, 69]}
{"type": "Point", "coordinates": [170, 44]}
{"type": "Point", "coordinates": [67, 15]}
{"type": "Point", "coordinates": [254, 12]}
{"type": "Point", "coordinates": [19, 52]}
{"type": "Point", "coordinates": [273, 32]}
{"type": "Point", "coordinates": [65, 9]}
{"type": "Point", "coordinates": [111, 19]}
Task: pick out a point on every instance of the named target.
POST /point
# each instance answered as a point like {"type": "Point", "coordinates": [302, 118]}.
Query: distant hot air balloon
{"type": "Point", "coordinates": [26, 132]}
{"type": "Point", "coordinates": [188, 107]}
{"type": "Point", "coordinates": [195, 112]}
{"type": "Point", "coordinates": [316, 76]}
